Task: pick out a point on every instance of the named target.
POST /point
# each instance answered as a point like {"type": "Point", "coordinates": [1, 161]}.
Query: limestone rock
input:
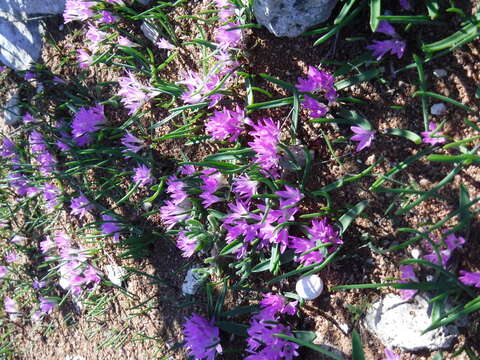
{"type": "Point", "coordinates": [150, 31]}
{"type": "Point", "coordinates": [398, 323]}
{"type": "Point", "coordinates": [309, 287]}
{"type": "Point", "coordinates": [20, 43]}
{"type": "Point", "coordinates": [292, 17]}
{"type": "Point", "coordinates": [438, 109]}
{"type": "Point", "coordinates": [26, 8]}
{"type": "Point", "coordinates": [193, 281]}
{"type": "Point", "coordinates": [11, 113]}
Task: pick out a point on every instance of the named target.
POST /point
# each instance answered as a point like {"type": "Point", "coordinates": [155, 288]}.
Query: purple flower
{"type": "Point", "coordinates": [3, 271]}
{"type": "Point", "coordinates": [380, 48]}
{"type": "Point", "coordinates": [50, 194]}
{"type": "Point", "coordinates": [47, 163]}
{"type": "Point", "coordinates": [80, 206]}
{"type": "Point", "coordinates": [244, 187]}
{"type": "Point", "coordinates": [143, 176]}
{"type": "Point", "coordinates": [29, 76]}
{"type": "Point", "coordinates": [62, 241]}
{"type": "Point", "coordinates": [173, 212]}
{"type": "Point", "coordinates": [95, 36]}
{"type": "Point", "coordinates": [134, 94]}
{"type": "Point", "coordinates": [132, 143]}
{"type": "Point", "coordinates": [470, 278]}
{"type": "Point", "coordinates": [110, 227]}
{"type": "Point", "coordinates": [123, 41]}
{"type": "Point", "coordinates": [107, 17]}
{"type": "Point", "coordinates": [265, 140]}
{"type": "Point", "coordinates": [46, 245]}
{"type": "Point", "coordinates": [11, 257]}
{"type": "Point", "coordinates": [186, 244]}
{"type": "Point", "coordinates": [390, 355]}
{"type": "Point", "coordinates": [28, 119]}
{"type": "Point", "coordinates": [47, 304]}
{"type": "Point", "coordinates": [405, 4]}
{"type": "Point", "coordinates": [433, 139]}
{"type": "Point", "coordinates": [291, 196]}
{"type": "Point", "coordinates": [38, 284]}
{"type": "Point", "coordinates": [228, 38]}
{"type": "Point", "coordinates": [85, 122]}
{"type": "Point", "coordinates": [78, 10]}
{"type": "Point", "coordinates": [316, 80]}
{"type": "Point", "coordinates": [211, 183]}
{"type": "Point", "coordinates": [91, 275]}
{"type": "Point", "coordinates": [164, 44]}
{"type": "Point", "coordinates": [317, 109]}
{"type": "Point", "coordinates": [8, 148]}
{"type": "Point", "coordinates": [84, 59]}
{"type": "Point", "coordinates": [202, 337]}
{"type": "Point", "coordinates": [10, 305]}
{"type": "Point", "coordinates": [226, 123]}
{"type": "Point", "coordinates": [407, 274]}
{"type": "Point", "coordinates": [386, 28]}
{"type": "Point", "coordinates": [363, 136]}
{"type": "Point", "coordinates": [453, 242]}
{"type": "Point", "coordinates": [37, 143]}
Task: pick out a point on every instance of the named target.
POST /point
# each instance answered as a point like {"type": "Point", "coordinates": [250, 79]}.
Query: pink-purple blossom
{"type": "Point", "coordinates": [382, 47]}
{"type": "Point", "coordinates": [107, 17]}
{"type": "Point", "coordinates": [227, 124]}
{"type": "Point", "coordinates": [143, 175]}
{"type": "Point", "coordinates": [47, 304]}
{"type": "Point", "coordinates": [134, 94]}
{"type": "Point", "coordinates": [228, 38]}
{"type": "Point", "coordinates": [78, 10]}
{"type": "Point", "coordinates": [3, 271]}
{"type": "Point", "coordinates": [132, 143]}
{"type": "Point", "coordinates": [202, 337]}
{"type": "Point", "coordinates": [164, 44]}
{"type": "Point", "coordinates": [470, 278]}
{"type": "Point", "coordinates": [390, 355]}
{"type": "Point", "coordinates": [405, 4]}
{"type": "Point", "coordinates": [124, 41]}
{"type": "Point", "coordinates": [363, 136]}
{"type": "Point", "coordinates": [86, 122]}
{"type": "Point", "coordinates": [433, 137]}
{"type": "Point", "coordinates": [111, 227]}
{"type": "Point", "coordinates": [10, 305]}
{"type": "Point", "coordinates": [84, 59]}
{"type": "Point", "coordinates": [244, 187]}
{"type": "Point", "coordinates": [80, 206]}
{"type": "Point", "coordinates": [187, 244]}
{"type": "Point", "coordinates": [266, 135]}
{"type": "Point", "coordinates": [407, 274]}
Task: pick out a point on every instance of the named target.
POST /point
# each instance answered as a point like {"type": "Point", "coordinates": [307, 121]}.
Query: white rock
{"type": "Point", "coordinates": [150, 32]}
{"type": "Point", "coordinates": [20, 43]}
{"type": "Point", "coordinates": [440, 73]}
{"type": "Point", "coordinates": [398, 323]}
{"type": "Point", "coordinates": [192, 282]}
{"type": "Point", "coordinates": [309, 287]}
{"type": "Point", "coordinates": [116, 274]}
{"type": "Point", "coordinates": [11, 113]}
{"type": "Point", "coordinates": [416, 253]}
{"type": "Point", "coordinates": [344, 327]}
{"type": "Point", "coordinates": [292, 17]}
{"type": "Point", "coordinates": [18, 239]}
{"type": "Point", "coordinates": [74, 357]}
{"type": "Point", "coordinates": [26, 8]}
{"type": "Point", "coordinates": [438, 109]}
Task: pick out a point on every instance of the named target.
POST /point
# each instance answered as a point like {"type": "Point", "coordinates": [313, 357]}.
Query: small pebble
{"type": "Point", "coordinates": [309, 287]}
{"type": "Point", "coordinates": [416, 253]}
{"type": "Point", "coordinates": [440, 73]}
{"type": "Point", "coordinates": [438, 109]}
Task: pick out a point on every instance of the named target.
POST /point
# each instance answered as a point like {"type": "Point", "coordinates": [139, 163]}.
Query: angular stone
{"type": "Point", "coordinates": [399, 323]}
{"type": "Point", "coordinates": [150, 32]}
{"type": "Point", "coordinates": [292, 17]}
{"type": "Point", "coordinates": [26, 8]}
{"type": "Point", "coordinates": [11, 112]}
{"type": "Point", "coordinates": [20, 43]}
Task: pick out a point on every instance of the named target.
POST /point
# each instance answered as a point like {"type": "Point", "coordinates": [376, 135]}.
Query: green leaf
{"type": "Point", "coordinates": [281, 83]}
{"type": "Point", "coordinates": [234, 245]}
{"type": "Point", "coordinates": [443, 98]}
{"type": "Point", "coordinates": [233, 328]}
{"type": "Point", "coordinates": [407, 134]}
{"type": "Point", "coordinates": [308, 345]}
{"type": "Point", "coordinates": [375, 10]}
{"type": "Point", "coordinates": [357, 79]}
{"type": "Point", "coordinates": [408, 19]}
{"type": "Point", "coordinates": [433, 8]}
{"type": "Point", "coordinates": [351, 214]}
{"type": "Point", "coordinates": [357, 349]}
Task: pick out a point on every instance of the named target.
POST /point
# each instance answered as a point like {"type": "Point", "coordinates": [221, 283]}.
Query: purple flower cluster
{"type": "Point", "coordinates": [212, 182]}
{"type": "Point", "coordinates": [227, 124]}
{"type": "Point", "coordinates": [74, 271]}
{"type": "Point", "coordinates": [80, 206]}
{"type": "Point", "coordinates": [143, 176]}
{"type": "Point", "coordinates": [86, 122]}
{"type": "Point", "coordinates": [319, 233]}
{"type": "Point", "coordinates": [395, 45]}
{"type": "Point", "coordinates": [227, 38]}
{"type": "Point", "coordinates": [178, 208]}
{"type": "Point", "coordinates": [266, 134]}
{"type": "Point", "coordinates": [111, 227]}
{"type": "Point", "coordinates": [445, 249]}
{"type": "Point", "coordinates": [261, 344]}
{"type": "Point", "coordinates": [317, 80]}
{"type": "Point", "coordinates": [202, 337]}
{"type": "Point", "coordinates": [51, 194]}
{"type": "Point", "coordinates": [78, 10]}
{"type": "Point", "coordinates": [134, 94]}
{"type": "Point", "coordinates": [40, 151]}
{"type": "Point", "coordinates": [132, 144]}
{"type": "Point", "coordinates": [407, 274]}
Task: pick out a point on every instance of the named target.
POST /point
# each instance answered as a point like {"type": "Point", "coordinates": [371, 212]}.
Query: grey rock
{"type": "Point", "coordinates": [438, 109]}
{"type": "Point", "coordinates": [440, 73]}
{"type": "Point", "coordinates": [20, 43]}
{"type": "Point", "coordinates": [150, 32]}
{"type": "Point", "coordinates": [21, 9]}
{"type": "Point", "coordinates": [144, 2]}
{"type": "Point", "coordinates": [292, 17]}
{"type": "Point", "coordinates": [398, 323]}
{"type": "Point", "coordinates": [193, 281]}
{"type": "Point", "coordinates": [11, 112]}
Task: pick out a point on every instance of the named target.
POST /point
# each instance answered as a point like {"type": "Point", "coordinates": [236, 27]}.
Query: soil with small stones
{"type": "Point", "coordinates": [145, 321]}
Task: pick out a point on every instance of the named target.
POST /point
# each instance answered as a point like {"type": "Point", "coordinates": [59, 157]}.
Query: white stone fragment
{"type": "Point", "coordinates": [399, 323]}
{"type": "Point", "coordinates": [20, 43]}
{"type": "Point", "coordinates": [11, 113]}
{"type": "Point", "coordinates": [292, 17]}
{"type": "Point", "coordinates": [309, 287]}
{"type": "Point", "coordinates": [150, 32]}
{"type": "Point", "coordinates": [416, 253]}
{"type": "Point", "coordinates": [438, 109]}
{"type": "Point", "coordinates": [18, 239]}
{"type": "Point", "coordinates": [116, 274]}
{"type": "Point", "coordinates": [440, 73]}
{"type": "Point", "coordinates": [26, 8]}
{"type": "Point", "coordinates": [192, 282]}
